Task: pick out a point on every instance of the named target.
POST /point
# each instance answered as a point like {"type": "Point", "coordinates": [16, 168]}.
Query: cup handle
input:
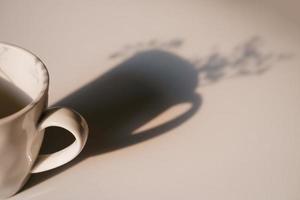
{"type": "Point", "coordinates": [71, 121]}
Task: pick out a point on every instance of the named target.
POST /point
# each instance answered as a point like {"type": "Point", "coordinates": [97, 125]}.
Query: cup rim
{"type": "Point", "coordinates": [42, 92]}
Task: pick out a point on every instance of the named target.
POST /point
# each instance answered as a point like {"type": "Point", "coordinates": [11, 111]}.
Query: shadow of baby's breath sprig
{"type": "Point", "coordinates": [249, 58]}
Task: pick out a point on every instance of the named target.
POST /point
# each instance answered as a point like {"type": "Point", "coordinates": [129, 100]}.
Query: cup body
{"type": "Point", "coordinates": [20, 142]}
{"type": "Point", "coordinates": [20, 139]}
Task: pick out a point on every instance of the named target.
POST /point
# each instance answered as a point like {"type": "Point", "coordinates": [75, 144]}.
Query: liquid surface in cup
{"type": "Point", "coordinates": [12, 99]}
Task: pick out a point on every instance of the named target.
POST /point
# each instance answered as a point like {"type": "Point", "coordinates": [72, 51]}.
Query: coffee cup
{"type": "Point", "coordinates": [24, 116]}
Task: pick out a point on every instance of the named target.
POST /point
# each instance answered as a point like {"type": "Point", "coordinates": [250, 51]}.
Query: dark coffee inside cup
{"type": "Point", "coordinates": [12, 99]}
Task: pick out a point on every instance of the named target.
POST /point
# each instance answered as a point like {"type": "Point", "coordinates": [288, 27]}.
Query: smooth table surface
{"type": "Point", "coordinates": [185, 99]}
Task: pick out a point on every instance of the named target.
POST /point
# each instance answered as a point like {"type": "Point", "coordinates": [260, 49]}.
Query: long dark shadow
{"type": "Point", "coordinates": [124, 99]}
{"type": "Point", "coordinates": [146, 85]}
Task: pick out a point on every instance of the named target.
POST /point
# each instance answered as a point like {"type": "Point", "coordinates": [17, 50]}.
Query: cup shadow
{"type": "Point", "coordinates": [125, 98]}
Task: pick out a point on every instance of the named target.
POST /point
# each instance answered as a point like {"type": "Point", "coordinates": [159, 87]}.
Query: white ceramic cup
{"type": "Point", "coordinates": [21, 133]}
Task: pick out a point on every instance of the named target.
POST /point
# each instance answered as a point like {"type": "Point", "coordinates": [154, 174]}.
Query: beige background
{"type": "Point", "coordinates": [240, 57]}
